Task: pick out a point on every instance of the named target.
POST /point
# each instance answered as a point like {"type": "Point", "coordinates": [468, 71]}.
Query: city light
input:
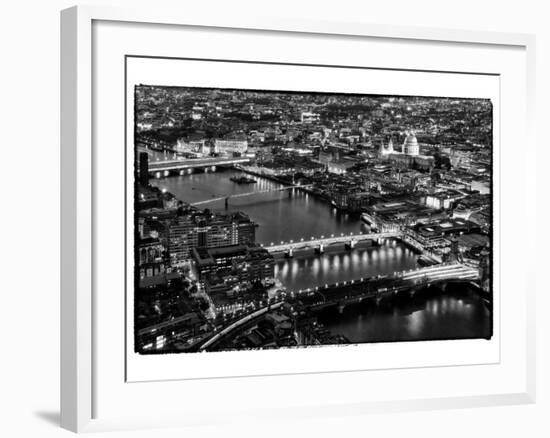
{"type": "Point", "coordinates": [396, 189]}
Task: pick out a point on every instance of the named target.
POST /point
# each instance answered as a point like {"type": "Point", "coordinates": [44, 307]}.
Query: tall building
{"type": "Point", "coordinates": [144, 168]}
{"type": "Point", "coordinates": [246, 263]}
{"type": "Point", "coordinates": [181, 239]}
{"type": "Point", "coordinates": [192, 231]}
{"type": "Point", "coordinates": [202, 232]}
{"type": "Point", "coordinates": [243, 228]}
{"type": "Point", "coordinates": [151, 257]}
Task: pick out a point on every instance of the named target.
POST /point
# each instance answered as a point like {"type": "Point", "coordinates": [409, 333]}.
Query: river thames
{"type": "Point", "coordinates": [280, 217]}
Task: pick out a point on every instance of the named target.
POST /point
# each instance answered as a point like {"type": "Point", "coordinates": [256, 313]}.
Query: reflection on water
{"type": "Point", "coordinates": [333, 267]}
{"type": "Point", "coordinates": [458, 314]}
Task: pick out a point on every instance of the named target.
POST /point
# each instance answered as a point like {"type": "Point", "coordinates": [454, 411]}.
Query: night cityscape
{"type": "Point", "coordinates": [271, 219]}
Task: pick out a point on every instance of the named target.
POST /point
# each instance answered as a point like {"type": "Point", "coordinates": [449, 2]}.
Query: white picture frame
{"type": "Point", "coordinates": [83, 369]}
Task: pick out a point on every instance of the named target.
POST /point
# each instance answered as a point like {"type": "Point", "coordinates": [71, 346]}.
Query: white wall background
{"type": "Point", "coordinates": [29, 252]}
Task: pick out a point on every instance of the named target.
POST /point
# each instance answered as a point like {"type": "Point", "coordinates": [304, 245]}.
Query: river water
{"type": "Point", "coordinates": [457, 314]}
{"type": "Point", "coordinates": [279, 216]}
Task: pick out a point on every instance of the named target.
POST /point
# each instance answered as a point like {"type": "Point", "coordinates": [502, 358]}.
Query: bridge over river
{"type": "Point", "coordinates": [226, 198]}
{"type": "Point", "coordinates": [319, 243]}
{"type": "Point", "coordinates": [379, 287]}
{"type": "Point", "coordinates": [347, 292]}
{"type": "Point", "coordinates": [164, 168]}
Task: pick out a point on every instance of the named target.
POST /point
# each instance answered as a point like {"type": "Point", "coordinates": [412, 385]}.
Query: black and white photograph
{"type": "Point", "coordinates": [278, 219]}
{"type": "Point", "coordinates": [300, 219]}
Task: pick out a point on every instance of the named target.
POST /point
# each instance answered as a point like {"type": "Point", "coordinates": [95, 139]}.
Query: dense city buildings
{"type": "Point", "coordinates": [262, 216]}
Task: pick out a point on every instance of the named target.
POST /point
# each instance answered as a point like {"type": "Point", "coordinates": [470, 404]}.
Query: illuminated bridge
{"type": "Point", "coordinates": [354, 291]}
{"type": "Point", "coordinates": [170, 167]}
{"type": "Point", "coordinates": [319, 243]}
{"type": "Point", "coordinates": [226, 198]}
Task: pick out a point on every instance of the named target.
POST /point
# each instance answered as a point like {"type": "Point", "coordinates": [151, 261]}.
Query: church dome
{"type": "Point", "coordinates": [410, 146]}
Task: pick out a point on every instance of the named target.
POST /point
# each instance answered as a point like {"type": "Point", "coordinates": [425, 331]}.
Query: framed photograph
{"type": "Point", "coordinates": [253, 208]}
